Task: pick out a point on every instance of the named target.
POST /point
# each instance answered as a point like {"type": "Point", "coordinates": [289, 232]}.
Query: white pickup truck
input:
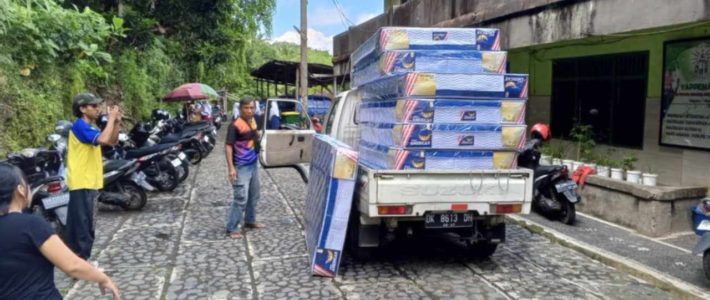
{"type": "Point", "coordinates": [388, 203]}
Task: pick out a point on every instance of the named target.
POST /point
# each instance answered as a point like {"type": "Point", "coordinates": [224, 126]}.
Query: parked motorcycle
{"type": "Point", "coordinates": [554, 193]}
{"type": "Point", "coordinates": [124, 184]}
{"type": "Point", "coordinates": [50, 195]}
{"type": "Point", "coordinates": [120, 187]}
{"type": "Point", "coordinates": [701, 223]}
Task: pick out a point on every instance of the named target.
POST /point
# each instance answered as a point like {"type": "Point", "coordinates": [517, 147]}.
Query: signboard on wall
{"type": "Point", "coordinates": [685, 98]}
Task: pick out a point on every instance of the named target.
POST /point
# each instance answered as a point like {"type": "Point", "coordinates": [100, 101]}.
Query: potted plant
{"type": "Point", "coordinates": [583, 136]}
{"type": "Point", "coordinates": [545, 157]}
{"type": "Point", "coordinates": [603, 166]}
{"type": "Point", "coordinates": [616, 172]}
{"type": "Point", "coordinates": [632, 175]}
{"type": "Point", "coordinates": [558, 152]}
{"type": "Point", "coordinates": [650, 177]}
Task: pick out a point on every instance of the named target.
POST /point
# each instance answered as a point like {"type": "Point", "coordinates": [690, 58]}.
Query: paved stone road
{"type": "Point", "coordinates": [175, 249]}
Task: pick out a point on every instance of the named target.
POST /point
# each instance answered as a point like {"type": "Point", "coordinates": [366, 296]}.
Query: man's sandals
{"type": "Point", "coordinates": [238, 235]}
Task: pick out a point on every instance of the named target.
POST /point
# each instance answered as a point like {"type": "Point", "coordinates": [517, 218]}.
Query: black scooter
{"type": "Point", "coordinates": [120, 187]}
{"type": "Point", "coordinates": [50, 195]}
{"type": "Point", "coordinates": [554, 193]}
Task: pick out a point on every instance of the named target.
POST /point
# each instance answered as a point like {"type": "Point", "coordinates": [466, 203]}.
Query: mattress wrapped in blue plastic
{"type": "Point", "coordinates": [443, 110]}
{"type": "Point", "coordinates": [445, 136]}
{"type": "Point", "coordinates": [330, 193]}
{"type": "Point", "coordinates": [394, 158]}
{"type": "Point", "coordinates": [416, 84]}
{"type": "Point", "coordinates": [444, 62]}
{"type": "Point", "coordinates": [412, 38]}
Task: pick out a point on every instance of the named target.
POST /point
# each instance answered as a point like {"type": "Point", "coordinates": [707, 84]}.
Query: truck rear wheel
{"type": "Point", "coordinates": [482, 249]}
{"type": "Point", "coordinates": [353, 239]}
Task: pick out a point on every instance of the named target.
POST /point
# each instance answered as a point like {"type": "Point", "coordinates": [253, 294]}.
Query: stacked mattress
{"type": "Point", "coordinates": [438, 99]}
{"type": "Point", "coordinates": [330, 193]}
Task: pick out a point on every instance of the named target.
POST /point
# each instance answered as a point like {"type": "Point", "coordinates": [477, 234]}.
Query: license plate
{"type": "Point", "coordinates": [55, 201]}
{"type": "Point", "coordinates": [448, 220]}
{"type": "Point", "coordinates": [206, 139]}
{"type": "Point", "coordinates": [182, 156]}
{"type": "Point", "coordinates": [565, 186]}
{"type": "Point", "coordinates": [177, 162]}
{"type": "Point", "coordinates": [704, 225]}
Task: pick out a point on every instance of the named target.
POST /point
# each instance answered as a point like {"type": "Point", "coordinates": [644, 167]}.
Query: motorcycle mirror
{"type": "Point", "coordinates": [53, 138]}
{"type": "Point", "coordinates": [122, 137]}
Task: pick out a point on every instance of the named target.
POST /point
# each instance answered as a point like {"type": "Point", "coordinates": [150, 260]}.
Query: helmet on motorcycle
{"type": "Point", "coordinates": [540, 131]}
{"type": "Point", "coordinates": [160, 114]}
{"type": "Point", "coordinates": [63, 127]}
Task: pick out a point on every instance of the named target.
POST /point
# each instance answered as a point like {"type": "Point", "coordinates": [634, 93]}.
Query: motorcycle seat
{"type": "Point", "coordinates": [170, 138]}
{"type": "Point", "coordinates": [545, 170]}
{"type": "Point", "coordinates": [136, 153]}
{"type": "Point", "coordinates": [116, 164]}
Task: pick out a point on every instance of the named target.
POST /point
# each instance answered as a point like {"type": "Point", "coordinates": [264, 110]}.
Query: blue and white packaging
{"type": "Point", "coordinates": [412, 38]}
{"type": "Point", "coordinates": [443, 110]}
{"type": "Point", "coordinates": [492, 86]}
{"type": "Point", "coordinates": [443, 62]}
{"type": "Point", "coordinates": [445, 136]}
{"type": "Point", "coordinates": [394, 158]}
{"type": "Point", "coordinates": [330, 192]}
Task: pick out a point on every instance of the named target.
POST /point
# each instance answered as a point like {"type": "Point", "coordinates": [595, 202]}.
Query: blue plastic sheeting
{"type": "Point", "coordinates": [445, 136]}
{"type": "Point", "coordinates": [443, 110]}
{"type": "Point", "coordinates": [411, 38]}
{"type": "Point", "coordinates": [395, 158]}
{"type": "Point", "coordinates": [474, 86]}
{"type": "Point", "coordinates": [443, 62]}
{"type": "Point", "coordinates": [330, 192]}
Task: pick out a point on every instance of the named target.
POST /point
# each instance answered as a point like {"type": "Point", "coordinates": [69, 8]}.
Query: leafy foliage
{"type": "Point", "coordinates": [130, 52]}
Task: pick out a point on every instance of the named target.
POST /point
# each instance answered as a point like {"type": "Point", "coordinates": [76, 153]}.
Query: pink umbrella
{"type": "Point", "coordinates": [189, 92]}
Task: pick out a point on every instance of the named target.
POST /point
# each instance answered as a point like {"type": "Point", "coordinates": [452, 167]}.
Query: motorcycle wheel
{"type": "Point", "coordinates": [185, 171]}
{"type": "Point", "coordinates": [706, 264]}
{"type": "Point", "coordinates": [138, 197]}
{"type": "Point", "coordinates": [167, 179]}
{"type": "Point", "coordinates": [195, 156]}
{"type": "Point", "coordinates": [568, 213]}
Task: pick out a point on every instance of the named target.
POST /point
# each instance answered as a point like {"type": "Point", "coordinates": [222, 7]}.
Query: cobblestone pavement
{"type": "Point", "coordinates": [175, 249]}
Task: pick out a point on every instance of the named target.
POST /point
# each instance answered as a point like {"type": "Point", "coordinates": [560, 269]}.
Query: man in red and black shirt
{"type": "Point", "coordinates": [241, 150]}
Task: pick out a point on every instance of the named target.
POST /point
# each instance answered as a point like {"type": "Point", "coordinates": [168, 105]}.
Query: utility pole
{"type": "Point", "coordinates": [303, 78]}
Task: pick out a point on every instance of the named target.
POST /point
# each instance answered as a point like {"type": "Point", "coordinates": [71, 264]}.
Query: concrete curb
{"type": "Point", "coordinates": [678, 288]}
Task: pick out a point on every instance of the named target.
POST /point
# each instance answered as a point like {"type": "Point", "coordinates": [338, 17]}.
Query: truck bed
{"type": "Point", "coordinates": [449, 190]}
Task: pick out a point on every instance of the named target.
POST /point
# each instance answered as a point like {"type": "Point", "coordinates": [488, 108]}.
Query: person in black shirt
{"type": "Point", "coordinates": [30, 249]}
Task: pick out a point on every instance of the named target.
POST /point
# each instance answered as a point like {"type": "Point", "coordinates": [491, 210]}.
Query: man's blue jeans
{"type": "Point", "coordinates": [246, 194]}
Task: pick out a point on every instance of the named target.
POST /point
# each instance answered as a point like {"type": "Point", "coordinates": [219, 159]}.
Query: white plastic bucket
{"type": "Point", "coordinates": [649, 179]}
{"type": "Point", "coordinates": [617, 174]}
{"type": "Point", "coordinates": [603, 171]}
{"type": "Point", "coordinates": [633, 176]}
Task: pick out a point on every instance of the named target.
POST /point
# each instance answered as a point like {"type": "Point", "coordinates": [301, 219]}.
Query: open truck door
{"type": "Point", "coordinates": [287, 135]}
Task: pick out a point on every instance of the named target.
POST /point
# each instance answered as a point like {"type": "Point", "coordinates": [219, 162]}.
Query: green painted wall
{"type": "Point", "coordinates": [537, 61]}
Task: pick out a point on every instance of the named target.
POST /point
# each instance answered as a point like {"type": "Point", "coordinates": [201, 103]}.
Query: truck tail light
{"type": "Point", "coordinates": [506, 208]}
{"type": "Point", "coordinates": [394, 210]}
{"type": "Point", "coordinates": [459, 207]}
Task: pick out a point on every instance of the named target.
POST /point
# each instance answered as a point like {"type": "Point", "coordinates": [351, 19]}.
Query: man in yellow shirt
{"type": "Point", "coordinates": [85, 174]}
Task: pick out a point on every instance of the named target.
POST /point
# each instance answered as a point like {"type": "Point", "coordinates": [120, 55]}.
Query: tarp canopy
{"type": "Point", "coordinates": [284, 72]}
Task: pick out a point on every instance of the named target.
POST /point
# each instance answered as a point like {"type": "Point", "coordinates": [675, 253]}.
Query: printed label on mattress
{"type": "Point", "coordinates": [406, 159]}
{"type": "Point", "coordinates": [414, 135]}
{"type": "Point", "coordinates": [487, 39]}
{"type": "Point", "coordinates": [326, 262]}
{"type": "Point", "coordinates": [516, 86]}
{"type": "Point", "coordinates": [466, 140]}
{"type": "Point", "coordinates": [468, 115]}
{"type": "Point", "coordinates": [345, 165]}
{"type": "Point", "coordinates": [439, 35]}
{"type": "Point", "coordinates": [415, 111]}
